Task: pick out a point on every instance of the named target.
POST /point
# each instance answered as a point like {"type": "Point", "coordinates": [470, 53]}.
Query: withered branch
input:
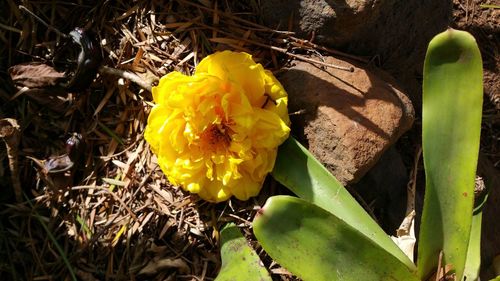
{"type": "Point", "coordinates": [10, 133]}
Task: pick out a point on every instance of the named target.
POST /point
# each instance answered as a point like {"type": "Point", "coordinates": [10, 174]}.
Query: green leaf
{"type": "Point", "coordinates": [316, 245]}
{"type": "Point", "coordinates": [297, 169]}
{"type": "Point", "coordinates": [84, 226]}
{"type": "Point", "coordinates": [239, 261]}
{"type": "Point", "coordinates": [473, 260]}
{"type": "Point", "coordinates": [451, 123]}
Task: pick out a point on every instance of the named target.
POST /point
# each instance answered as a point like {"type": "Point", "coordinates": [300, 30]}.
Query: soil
{"type": "Point", "coordinates": [484, 24]}
{"type": "Point", "coordinates": [114, 216]}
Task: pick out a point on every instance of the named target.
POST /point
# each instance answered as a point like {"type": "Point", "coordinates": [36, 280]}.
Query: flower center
{"type": "Point", "coordinates": [216, 136]}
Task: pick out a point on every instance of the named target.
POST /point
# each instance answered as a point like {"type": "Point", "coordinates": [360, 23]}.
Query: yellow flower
{"type": "Point", "coordinates": [216, 133]}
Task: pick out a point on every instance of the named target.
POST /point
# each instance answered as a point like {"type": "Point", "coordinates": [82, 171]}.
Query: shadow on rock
{"type": "Point", "coordinates": [347, 119]}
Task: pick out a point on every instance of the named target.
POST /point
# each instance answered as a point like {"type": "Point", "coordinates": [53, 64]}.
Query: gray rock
{"type": "Point", "coordinates": [350, 119]}
{"type": "Point", "coordinates": [332, 21]}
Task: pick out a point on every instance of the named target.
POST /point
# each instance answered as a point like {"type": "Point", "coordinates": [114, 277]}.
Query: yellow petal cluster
{"type": "Point", "coordinates": [216, 133]}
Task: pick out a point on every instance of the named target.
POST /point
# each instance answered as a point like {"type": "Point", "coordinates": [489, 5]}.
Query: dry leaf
{"type": "Point", "coordinates": [40, 82]}
{"type": "Point", "coordinates": [35, 75]}
{"type": "Point", "coordinates": [405, 238]}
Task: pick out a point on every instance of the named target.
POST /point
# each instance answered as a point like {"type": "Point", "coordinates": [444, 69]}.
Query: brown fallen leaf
{"type": "Point", "coordinates": [35, 75]}
{"type": "Point", "coordinates": [42, 83]}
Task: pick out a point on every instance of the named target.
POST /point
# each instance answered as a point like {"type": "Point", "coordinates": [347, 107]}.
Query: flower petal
{"type": "Point", "coordinates": [216, 133]}
{"type": "Point", "coordinates": [269, 130]}
{"type": "Point", "coordinates": [245, 188]}
{"type": "Point", "coordinates": [240, 69]}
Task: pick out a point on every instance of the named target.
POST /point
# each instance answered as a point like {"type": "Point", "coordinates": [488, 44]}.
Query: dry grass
{"type": "Point", "coordinates": [116, 217]}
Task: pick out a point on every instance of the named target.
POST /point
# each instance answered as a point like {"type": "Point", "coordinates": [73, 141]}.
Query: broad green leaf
{"type": "Point", "coordinates": [297, 169]}
{"type": "Point", "coordinates": [473, 260]}
{"type": "Point", "coordinates": [316, 245]}
{"type": "Point", "coordinates": [451, 124]}
{"type": "Point", "coordinates": [239, 261]}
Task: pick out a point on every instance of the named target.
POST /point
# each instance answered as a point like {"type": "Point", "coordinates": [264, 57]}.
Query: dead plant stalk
{"type": "Point", "coordinates": [9, 132]}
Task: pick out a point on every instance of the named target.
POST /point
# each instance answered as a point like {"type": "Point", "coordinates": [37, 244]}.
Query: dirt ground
{"type": "Point", "coordinates": [112, 215]}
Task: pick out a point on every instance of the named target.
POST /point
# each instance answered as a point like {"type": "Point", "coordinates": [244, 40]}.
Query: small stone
{"type": "Point", "coordinates": [348, 118]}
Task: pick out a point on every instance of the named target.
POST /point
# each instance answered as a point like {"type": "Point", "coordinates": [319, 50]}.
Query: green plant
{"type": "Point", "coordinates": [239, 261]}
{"type": "Point", "coordinates": [317, 245]}
{"type": "Point", "coordinates": [303, 174]}
{"type": "Point", "coordinates": [326, 235]}
{"type": "Point", "coordinates": [451, 124]}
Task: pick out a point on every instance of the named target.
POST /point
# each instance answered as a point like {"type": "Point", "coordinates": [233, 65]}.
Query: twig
{"type": "Point", "coordinates": [108, 192]}
{"type": "Point", "coordinates": [21, 7]}
{"type": "Point", "coordinates": [278, 49]}
{"type": "Point", "coordinates": [440, 270]}
{"type": "Point", "coordinates": [126, 75]}
{"type": "Point", "coordinates": [58, 247]}
{"type": "Point", "coordinates": [302, 58]}
{"type": "Point", "coordinates": [9, 131]}
{"type": "Point", "coordinates": [411, 187]}
{"type": "Point", "coordinates": [265, 28]}
{"type": "Point", "coordinates": [486, 6]}
{"type": "Point", "coordinates": [300, 42]}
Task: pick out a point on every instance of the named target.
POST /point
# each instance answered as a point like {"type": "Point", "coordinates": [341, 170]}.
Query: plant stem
{"type": "Point", "coordinates": [9, 132]}
{"type": "Point", "coordinates": [126, 75]}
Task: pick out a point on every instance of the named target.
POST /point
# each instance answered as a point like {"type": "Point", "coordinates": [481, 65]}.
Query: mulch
{"type": "Point", "coordinates": [120, 219]}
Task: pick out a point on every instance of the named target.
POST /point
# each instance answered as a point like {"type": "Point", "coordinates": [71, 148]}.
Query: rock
{"type": "Point", "coordinates": [394, 32]}
{"type": "Point", "coordinates": [398, 39]}
{"type": "Point", "coordinates": [333, 22]}
{"type": "Point", "coordinates": [350, 119]}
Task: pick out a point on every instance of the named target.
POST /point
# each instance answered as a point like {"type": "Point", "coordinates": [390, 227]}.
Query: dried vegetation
{"type": "Point", "coordinates": [99, 207]}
